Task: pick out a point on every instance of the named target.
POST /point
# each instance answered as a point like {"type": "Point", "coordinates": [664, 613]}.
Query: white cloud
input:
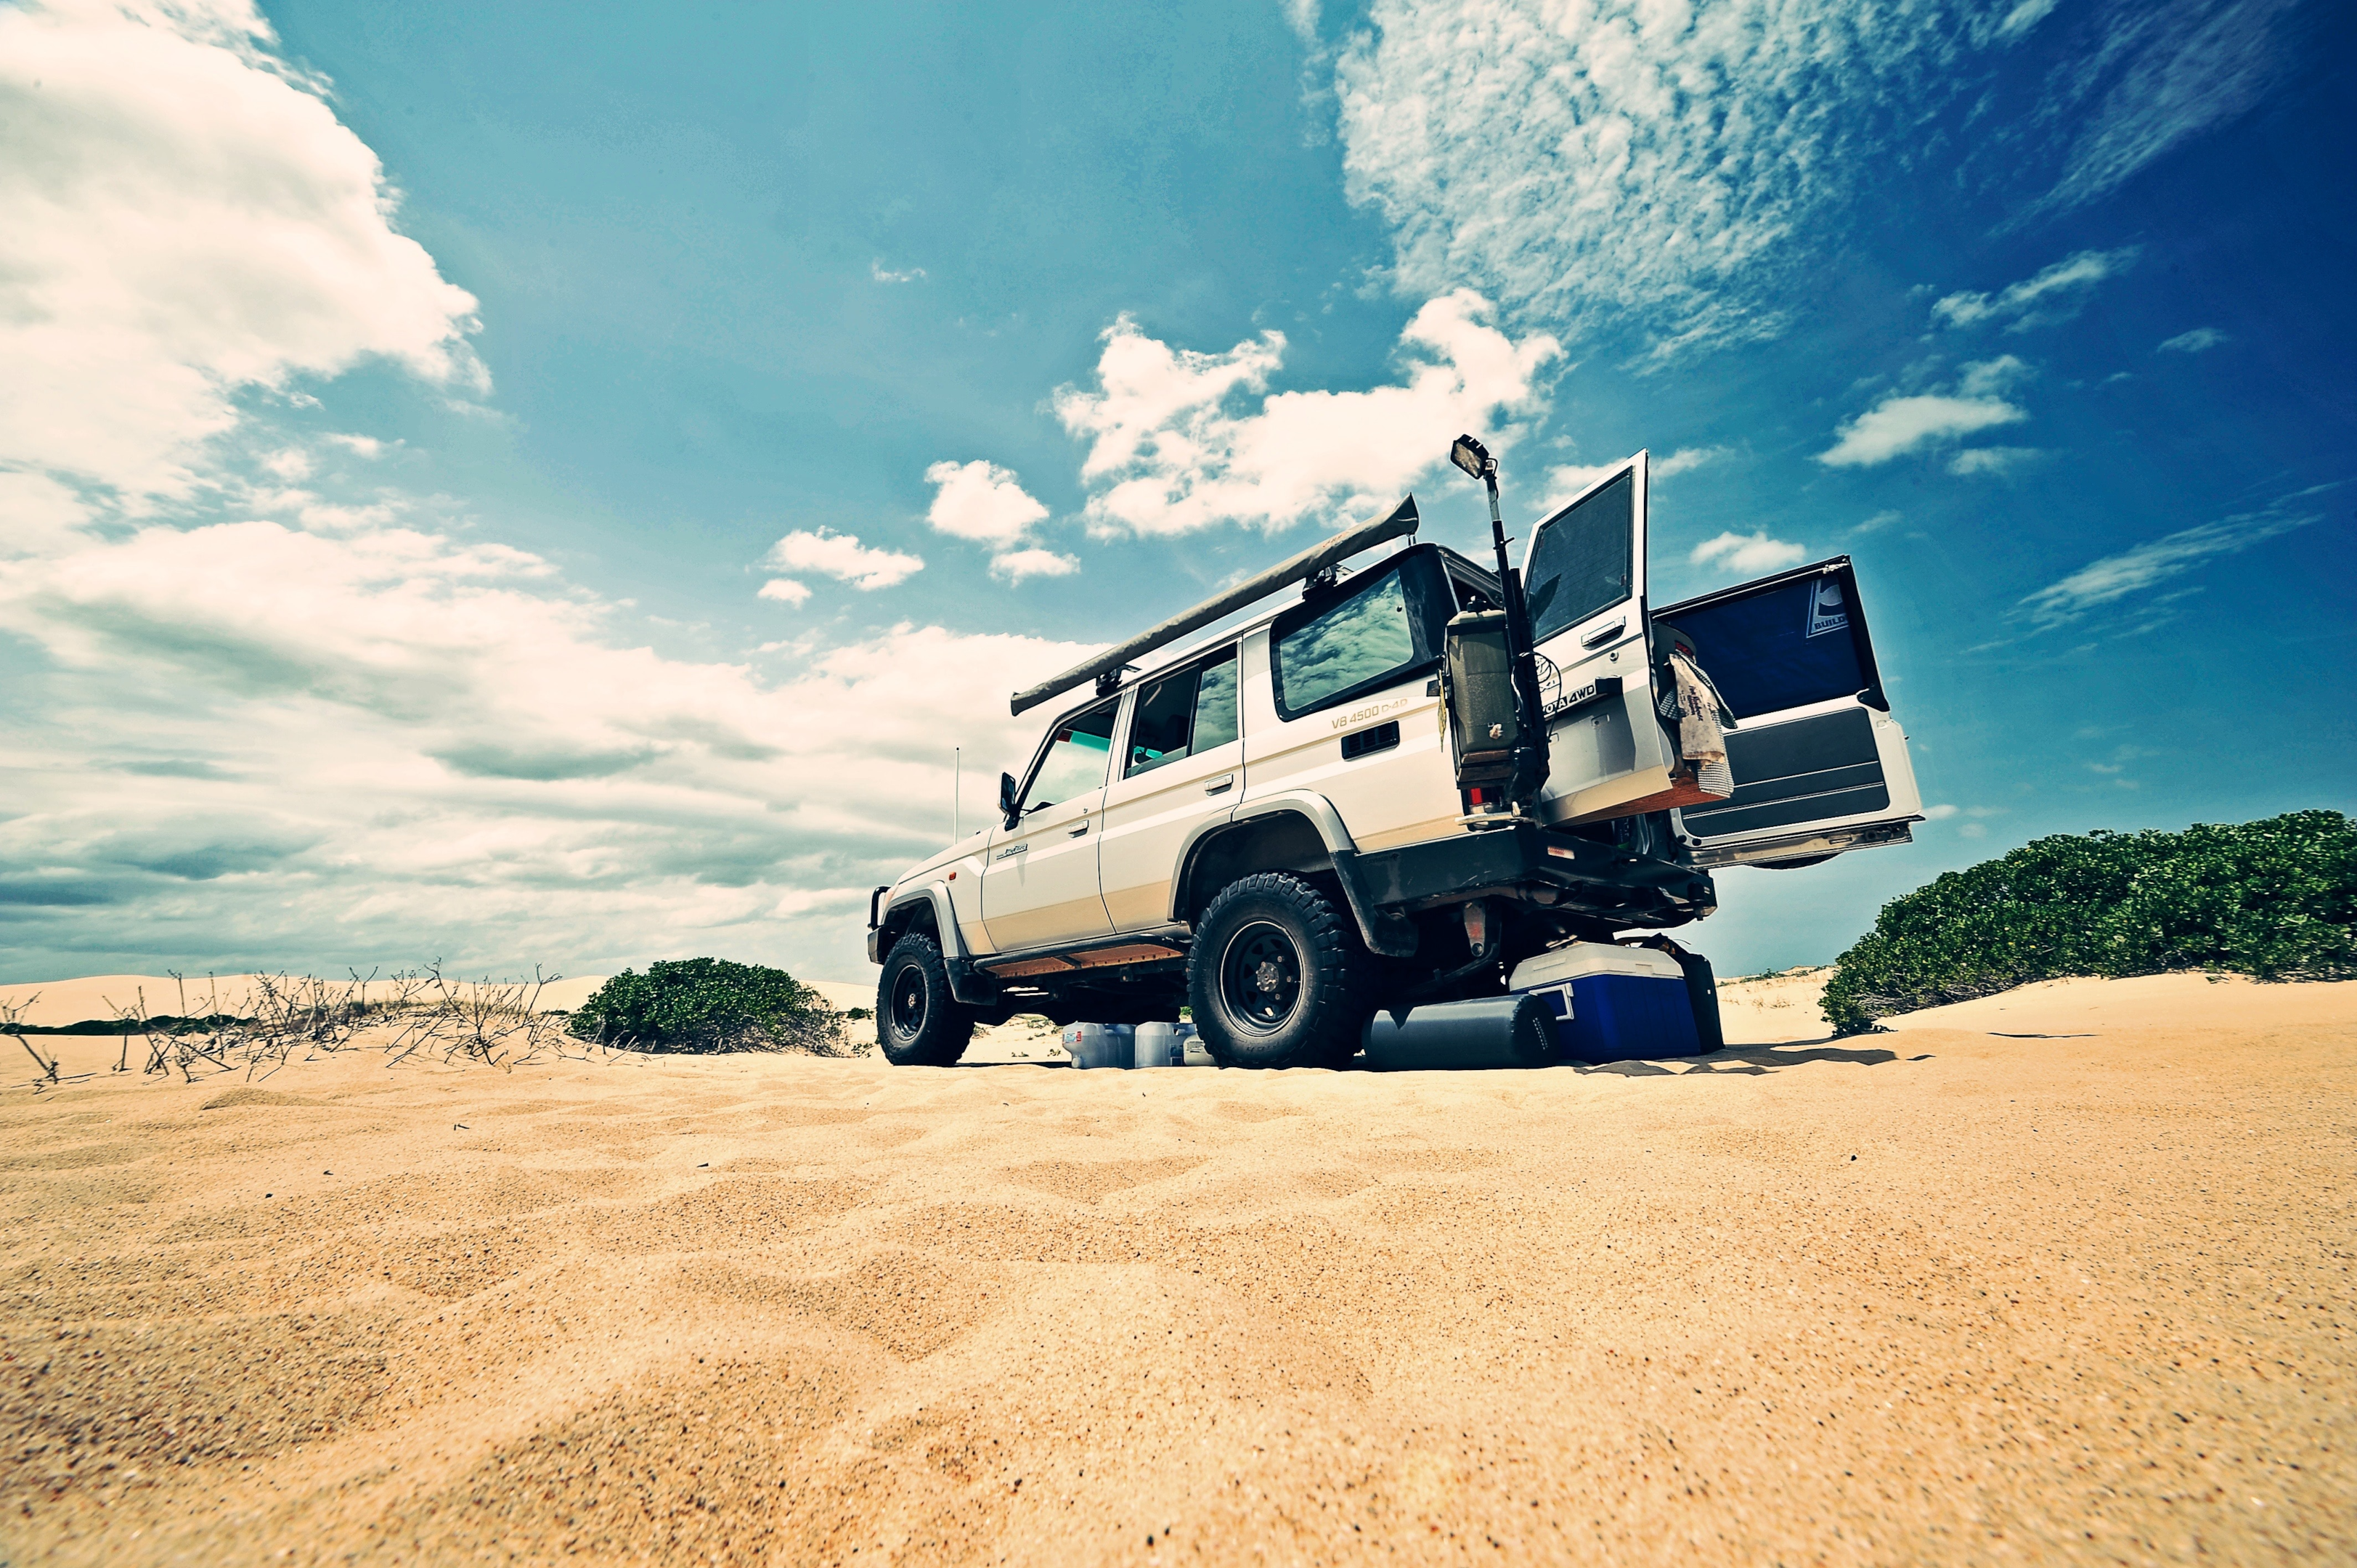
{"type": "Point", "coordinates": [1981, 378]}
{"type": "Point", "coordinates": [1898, 425]}
{"type": "Point", "coordinates": [1670, 167]}
{"type": "Point", "coordinates": [37, 515]}
{"type": "Point", "coordinates": [1566, 482]}
{"type": "Point", "coordinates": [418, 745]}
{"type": "Point", "coordinates": [841, 556]}
{"type": "Point", "coordinates": [1683, 460]}
{"type": "Point", "coordinates": [820, 900]}
{"type": "Point", "coordinates": [877, 271]}
{"type": "Point", "coordinates": [1749, 552]}
{"type": "Point", "coordinates": [1879, 520]}
{"type": "Point", "coordinates": [2200, 340]}
{"type": "Point", "coordinates": [981, 502]}
{"type": "Point", "coordinates": [2133, 571]}
{"type": "Point", "coordinates": [1181, 440]}
{"type": "Point", "coordinates": [2017, 22]}
{"type": "Point", "coordinates": [786, 590]}
{"type": "Point", "coordinates": [1939, 813]}
{"type": "Point", "coordinates": [1992, 459]}
{"type": "Point", "coordinates": [2164, 73]}
{"type": "Point", "coordinates": [1657, 160]}
{"type": "Point", "coordinates": [984, 502]}
{"type": "Point", "coordinates": [1016, 564]}
{"type": "Point", "coordinates": [185, 220]}
{"type": "Point", "coordinates": [2055, 294]}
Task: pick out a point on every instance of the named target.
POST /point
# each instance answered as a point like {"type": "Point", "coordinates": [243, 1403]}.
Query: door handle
{"type": "Point", "coordinates": [1078, 831]}
{"type": "Point", "coordinates": [1603, 634]}
{"type": "Point", "coordinates": [1017, 848]}
{"type": "Point", "coordinates": [1218, 785]}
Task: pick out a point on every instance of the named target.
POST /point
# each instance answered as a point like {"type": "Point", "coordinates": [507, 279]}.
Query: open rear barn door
{"type": "Point", "coordinates": [1821, 767]}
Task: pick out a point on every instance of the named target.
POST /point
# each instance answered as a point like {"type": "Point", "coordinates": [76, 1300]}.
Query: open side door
{"type": "Point", "coordinates": [1584, 574]}
{"type": "Point", "coordinates": [1821, 768]}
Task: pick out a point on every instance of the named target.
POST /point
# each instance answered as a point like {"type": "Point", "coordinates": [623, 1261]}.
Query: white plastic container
{"type": "Point", "coordinates": [1191, 1050]}
{"type": "Point", "coordinates": [1161, 1045]}
{"type": "Point", "coordinates": [1099, 1045]}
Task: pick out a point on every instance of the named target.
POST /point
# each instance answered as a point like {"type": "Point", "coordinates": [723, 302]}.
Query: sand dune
{"type": "Point", "coordinates": [1935, 1295]}
{"type": "Point", "coordinates": [1773, 1009]}
{"type": "Point", "coordinates": [56, 1002]}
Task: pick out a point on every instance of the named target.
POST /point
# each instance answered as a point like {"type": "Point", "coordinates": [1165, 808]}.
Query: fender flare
{"type": "Point", "coordinates": [1384, 930]}
{"type": "Point", "coordinates": [1306, 803]}
{"type": "Point", "coordinates": [945, 924]}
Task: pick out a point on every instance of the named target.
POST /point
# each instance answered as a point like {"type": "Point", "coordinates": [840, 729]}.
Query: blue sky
{"type": "Point", "coordinates": [525, 493]}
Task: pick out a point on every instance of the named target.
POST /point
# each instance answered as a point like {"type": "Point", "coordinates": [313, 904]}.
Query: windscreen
{"type": "Point", "coordinates": [1075, 763]}
{"type": "Point", "coordinates": [1580, 562]}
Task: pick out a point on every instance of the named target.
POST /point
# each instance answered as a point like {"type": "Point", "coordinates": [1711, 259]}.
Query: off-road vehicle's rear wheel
{"type": "Point", "coordinates": [918, 1022]}
{"type": "Point", "coordinates": [1277, 976]}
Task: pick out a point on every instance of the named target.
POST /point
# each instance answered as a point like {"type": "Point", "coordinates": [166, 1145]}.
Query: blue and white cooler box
{"type": "Point", "coordinates": [1612, 1004]}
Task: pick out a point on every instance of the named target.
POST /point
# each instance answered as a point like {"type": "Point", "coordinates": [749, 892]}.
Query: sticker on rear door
{"type": "Point", "coordinates": [1828, 611]}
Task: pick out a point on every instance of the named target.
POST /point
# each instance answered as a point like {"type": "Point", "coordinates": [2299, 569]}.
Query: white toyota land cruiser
{"type": "Point", "coordinates": [1340, 805]}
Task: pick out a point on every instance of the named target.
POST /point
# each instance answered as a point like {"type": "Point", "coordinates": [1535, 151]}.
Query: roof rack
{"type": "Point", "coordinates": [1320, 557]}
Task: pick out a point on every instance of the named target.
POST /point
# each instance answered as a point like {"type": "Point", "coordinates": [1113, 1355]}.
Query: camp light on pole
{"type": "Point", "coordinates": [1473, 457]}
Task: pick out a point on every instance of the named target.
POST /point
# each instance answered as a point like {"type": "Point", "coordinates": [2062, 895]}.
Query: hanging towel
{"type": "Point", "coordinates": [1701, 714]}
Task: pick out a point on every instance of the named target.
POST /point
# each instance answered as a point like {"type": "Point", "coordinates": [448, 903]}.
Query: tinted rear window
{"type": "Point", "coordinates": [1352, 644]}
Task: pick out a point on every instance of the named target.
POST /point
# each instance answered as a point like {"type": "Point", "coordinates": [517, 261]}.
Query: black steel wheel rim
{"type": "Point", "coordinates": [908, 1003]}
{"type": "Point", "coordinates": [1260, 977]}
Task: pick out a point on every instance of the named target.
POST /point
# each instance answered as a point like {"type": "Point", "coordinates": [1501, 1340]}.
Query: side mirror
{"type": "Point", "coordinates": [1006, 798]}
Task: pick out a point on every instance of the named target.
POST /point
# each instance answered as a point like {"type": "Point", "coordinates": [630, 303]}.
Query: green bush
{"type": "Point", "coordinates": [710, 1004]}
{"type": "Point", "coordinates": [2273, 898]}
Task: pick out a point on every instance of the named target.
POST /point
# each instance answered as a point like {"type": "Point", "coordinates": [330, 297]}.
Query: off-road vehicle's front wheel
{"type": "Point", "coordinates": [918, 1022]}
{"type": "Point", "coordinates": [1277, 976]}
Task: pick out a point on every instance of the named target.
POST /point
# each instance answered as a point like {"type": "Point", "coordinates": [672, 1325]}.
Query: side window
{"type": "Point", "coordinates": [1184, 713]}
{"type": "Point", "coordinates": [1345, 646]}
{"type": "Point", "coordinates": [1165, 719]}
{"type": "Point", "coordinates": [1215, 703]}
{"type": "Point", "coordinates": [1580, 560]}
{"type": "Point", "coordinates": [1078, 750]}
{"type": "Point", "coordinates": [1468, 595]}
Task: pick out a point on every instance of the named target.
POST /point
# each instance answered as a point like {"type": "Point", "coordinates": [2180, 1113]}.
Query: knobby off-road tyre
{"type": "Point", "coordinates": [918, 1022]}
{"type": "Point", "coordinates": [1277, 977]}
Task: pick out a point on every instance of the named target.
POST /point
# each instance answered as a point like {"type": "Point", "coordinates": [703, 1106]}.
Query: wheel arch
{"type": "Point", "coordinates": [1296, 831]}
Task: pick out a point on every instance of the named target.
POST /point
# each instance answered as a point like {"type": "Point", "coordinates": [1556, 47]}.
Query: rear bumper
{"type": "Point", "coordinates": [1540, 865]}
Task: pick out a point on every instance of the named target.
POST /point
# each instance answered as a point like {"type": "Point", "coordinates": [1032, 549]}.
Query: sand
{"type": "Point", "coordinates": [1952, 1295]}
